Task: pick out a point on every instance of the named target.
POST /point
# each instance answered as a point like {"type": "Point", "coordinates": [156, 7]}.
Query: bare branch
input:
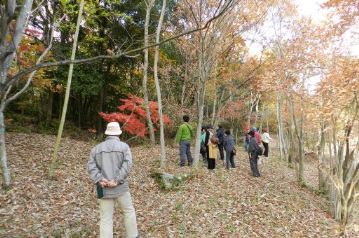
{"type": "Point", "coordinates": [22, 73]}
{"type": "Point", "coordinates": [42, 56]}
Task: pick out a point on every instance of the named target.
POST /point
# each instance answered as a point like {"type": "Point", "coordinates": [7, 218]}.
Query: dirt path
{"type": "Point", "coordinates": [220, 204]}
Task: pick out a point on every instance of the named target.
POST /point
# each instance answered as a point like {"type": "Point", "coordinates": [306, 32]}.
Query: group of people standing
{"type": "Point", "coordinates": [110, 164]}
{"type": "Point", "coordinates": [214, 143]}
{"type": "Point", "coordinates": [219, 144]}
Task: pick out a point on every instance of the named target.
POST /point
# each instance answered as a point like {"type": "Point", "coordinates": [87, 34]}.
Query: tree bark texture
{"type": "Point", "coordinates": [158, 88]}
{"type": "Point", "coordinates": [149, 5]}
{"type": "Point", "coordinates": [7, 55]}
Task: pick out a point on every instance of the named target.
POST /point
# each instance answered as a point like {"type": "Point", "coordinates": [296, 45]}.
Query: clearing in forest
{"type": "Point", "coordinates": [210, 204]}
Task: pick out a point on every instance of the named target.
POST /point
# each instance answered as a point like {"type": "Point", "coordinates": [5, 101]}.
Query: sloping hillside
{"type": "Point", "coordinates": [210, 204]}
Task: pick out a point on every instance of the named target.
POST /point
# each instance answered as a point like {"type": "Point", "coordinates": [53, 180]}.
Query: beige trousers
{"type": "Point", "coordinates": [107, 206]}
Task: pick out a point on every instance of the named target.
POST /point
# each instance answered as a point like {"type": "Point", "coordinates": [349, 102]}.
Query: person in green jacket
{"type": "Point", "coordinates": [183, 137]}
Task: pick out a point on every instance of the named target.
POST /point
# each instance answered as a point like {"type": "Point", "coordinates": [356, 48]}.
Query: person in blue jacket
{"type": "Point", "coordinates": [229, 147]}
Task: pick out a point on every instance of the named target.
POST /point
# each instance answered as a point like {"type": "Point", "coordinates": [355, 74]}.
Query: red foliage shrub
{"type": "Point", "coordinates": [132, 116]}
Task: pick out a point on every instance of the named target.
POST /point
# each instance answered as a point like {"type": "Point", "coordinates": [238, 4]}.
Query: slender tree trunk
{"type": "Point", "coordinates": [149, 5]}
{"type": "Point", "coordinates": [292, 147]}
{"type": "Point", "coordinates": [50, 101]}
{"type": "Point", "coordinates": [7, 55]}
{"type": "Point", "coordinates": [67, 94]}
{"type": "Point", "coordinates": [183, 94]}
{"type": "Point", "coordinates": [301, 142]}
{"type": "Point", "coordinates": [256, 109]}
{"type": "Point", "coordinates": [200, 121]}
{"type": "Point", "coordinates": [250, 111]}
{"type": "Point", "coordinates": [321, 147]}
{"type": "Point", "coordinates": [282, 144]}
{"type": "Point", "coordinates": [219, 105]}
{"type": "Point", "coordinates": [80, 110]}
{"type": "Point", "coordinates": [214, 106]}
{"type": "Point", "coordinates": [280, 128]}
{"type": "Point", "coordinates": [158, 88]}
{"type": "Point", "coordinates": [100, 109]}
{"type": "Point", "coordinates": [294, 128]}
{"type": "Point", "coordinates": [202, 90]}
{"type": "Point", "coordinates": [5, 169]}
{"type": "Point", "coordinates": [334, 137]}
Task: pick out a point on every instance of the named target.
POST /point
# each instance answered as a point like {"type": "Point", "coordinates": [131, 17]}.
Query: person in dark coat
{"type": "Point", "coordinates": [229, 147]}
{"type": "Point", "coordinates": [253, 149]}
{"type": "Point", "coordinates": [220, 136]}
{"type": "Point", "coordinates": [203, 150]}
{"type": "Point", "coordinates": [206, 141]}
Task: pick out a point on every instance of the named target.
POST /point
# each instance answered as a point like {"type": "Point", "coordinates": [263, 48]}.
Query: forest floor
{"type": "Point", "coordinates": [210, 204]}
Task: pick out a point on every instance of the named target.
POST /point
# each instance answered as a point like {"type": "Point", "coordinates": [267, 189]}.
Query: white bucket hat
{"type": "Point", "coordinates": [113, 129]}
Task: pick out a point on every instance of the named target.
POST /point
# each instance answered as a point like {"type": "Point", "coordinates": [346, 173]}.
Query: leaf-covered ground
{"type": "Point", "coordinates": [211, 204]}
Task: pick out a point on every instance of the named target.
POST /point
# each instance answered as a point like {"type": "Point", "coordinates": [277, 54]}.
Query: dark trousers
{"type": "Point", "coordinates": [221, 152]}
{"type": "Point", "coordinates": [230, 159]}
{"type": "Point", "coordinates": [185, 151]}
{"type": "Point", "coordinates": [211, 163]}
{"type": "Point", "coordinates": [203, 152]}
{"type": "Point", "coordinates": [266, 149]}
{"type": "Point", "coordinates": [204, 156]}
{"type": "Point", "coordinates": [254, 165]}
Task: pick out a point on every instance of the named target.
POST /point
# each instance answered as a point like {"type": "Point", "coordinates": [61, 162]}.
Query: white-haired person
{"type": "Point", "coordinates": [109, 167]}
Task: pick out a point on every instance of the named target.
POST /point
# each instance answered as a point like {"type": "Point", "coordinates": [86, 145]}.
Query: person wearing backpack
{"type": "Point", "coordinates": [183, 137]}
{"type": "Point", "coordinates": [257, 135]}
{"type": "Point", "coordinates": [229, 147]}
{"type": "Point", "coordinates": [254, 151]}
{"type": "Point", "coordinates": [109, 166]}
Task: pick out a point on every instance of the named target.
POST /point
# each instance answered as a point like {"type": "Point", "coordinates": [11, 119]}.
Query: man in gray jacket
{"type": "Point", "coordinates": [109, 166]}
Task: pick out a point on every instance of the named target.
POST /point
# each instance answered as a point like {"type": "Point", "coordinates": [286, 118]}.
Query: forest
{"type": "Point", "coordinates": [289, 68]}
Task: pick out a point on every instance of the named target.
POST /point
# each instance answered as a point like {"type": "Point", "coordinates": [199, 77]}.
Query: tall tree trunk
{"type": "Point", "coordinates": [299, 134]}
{"type": "Point", "coordinates": [5, 169]}
{"type": "Point", "coordinates": [50, 101]}
{"type": "Point", "coordinates": [214, 106]}
{"type": "Point", "coordinates": [321, 152]}
{"type": "Point", "coordinates": [149, 5]}
{"type": "Point", "coordinates": [202, 94]}
{"type": "Point", "coordinates": [219, 105]}
{"type": "Point", "coordinates": [345, 177]}
{"type": "Point", "coordinates": [202, 89]}
{"type": "Point", "coordinates": [292, 146]}
{"type": "Point", "coordinates": [253, 108]}
{"type": "Point", "coordinates": [250, 111]}
{"type": "Point", "coordinates": [321, 147]}
{"type": "Point", "coordinates": [183, 94]}
{"type": "Point", "coordinates": [282, 147]}
{"type": "Point", "coordinates": [80, 110]}
{"type": "Point", "coordinates": [158, 88]}
{"type": "Point", "coordinates": [301, 141]}
{"type": "Point", "coordinates": [67, 94]}
{"type": "Point", "coordinates": [101, 101]}
{"type": "Point", "coordinates": [7, 55]}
